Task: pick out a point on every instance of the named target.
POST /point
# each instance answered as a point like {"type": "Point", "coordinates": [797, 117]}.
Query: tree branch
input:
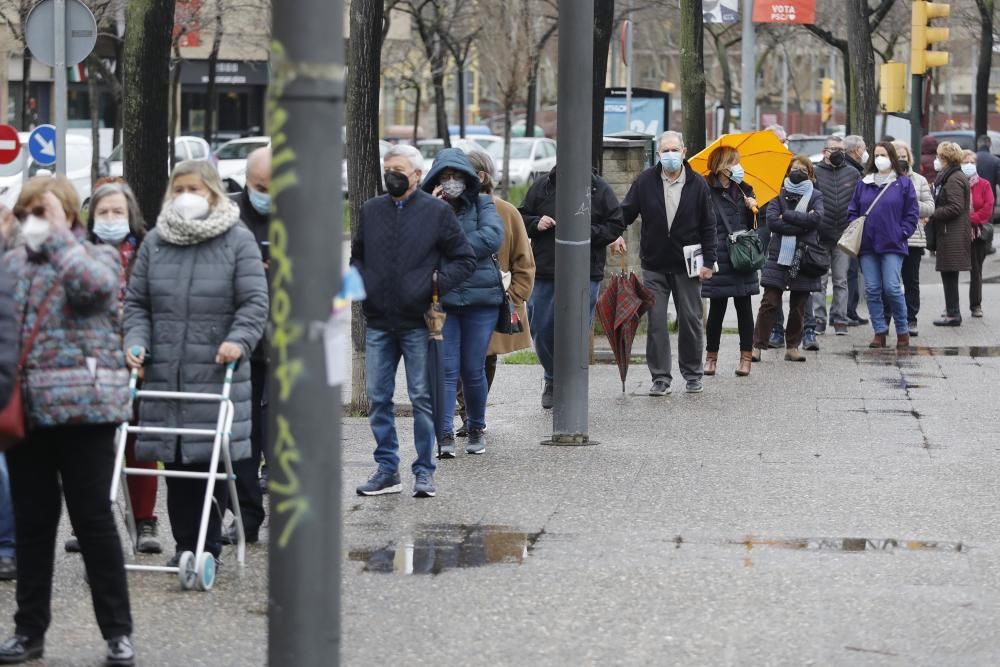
{"type": "Point", "coordinates": [879, 13]}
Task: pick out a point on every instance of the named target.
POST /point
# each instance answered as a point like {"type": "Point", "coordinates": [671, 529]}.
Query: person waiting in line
{"type": "Point", "coordinates": [952, 228]}
{"type": "Point", "coordinates": [539, 212]}
{"type": "Point", "coordinates": [675, 203]}
{"type": "Point", "coordinates": [734, 205]}
{"type": "Point", "coordinates": [196, 301]}
{"type": "Point", "coordinates": [889, 200]}
{"type": "Point", "coordinates": [9, 349]}
{"type": "Point", "coordinates": [857, 156]}
{"type": "Point", "coordinates": [517, 267]}
{"type": "Point", "coordinates": [793, 217]}
{"type": "Point", "coordinates": [980, 215]}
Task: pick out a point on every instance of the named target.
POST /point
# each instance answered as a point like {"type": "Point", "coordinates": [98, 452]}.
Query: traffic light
{"type": "Point", "coordinates": [892, 87]}
{"type": "Point", "coordinates": [827, 101]}
{"type": "Point", "coordinates": [924, 36]}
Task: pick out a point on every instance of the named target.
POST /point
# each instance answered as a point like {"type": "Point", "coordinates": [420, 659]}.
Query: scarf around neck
{"type": "Point", "coordinates": [178, 230]}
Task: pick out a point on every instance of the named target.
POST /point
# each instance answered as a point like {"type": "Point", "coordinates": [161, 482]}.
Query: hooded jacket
{"type": "Point", "coordinates": [606, 224]}
{"type": "Point", "coordinates": [893, 218]}
{"type": "Point", "coordinates": [928, 151]}
{"type": "Point", "coordinates": [837, 185]}
{"type": "Point", "coordinates": [478, 217]}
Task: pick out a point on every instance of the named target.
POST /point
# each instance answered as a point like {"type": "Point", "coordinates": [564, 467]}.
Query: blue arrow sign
{"type": "Point", "coordinates": [42, 144]}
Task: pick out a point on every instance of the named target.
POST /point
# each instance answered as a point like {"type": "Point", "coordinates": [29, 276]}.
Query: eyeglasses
{"type": "Point", "coordinates": [22, 213]}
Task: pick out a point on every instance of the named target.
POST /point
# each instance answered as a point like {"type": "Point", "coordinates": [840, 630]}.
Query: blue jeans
{"type": "Point", "coordinates": [883, 275]}
{"type": "Point", "coordinates": [542, 320]}
{"type": "Point", "coordinates": [6, 513]}
{"type": "Point", "coordinates": [467, 333]}
{"type": "Point", "coordinates": [383, 349]}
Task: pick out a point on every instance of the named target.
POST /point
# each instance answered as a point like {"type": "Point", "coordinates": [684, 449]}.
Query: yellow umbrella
{"type": "Point", "coordinates": [765, 161]}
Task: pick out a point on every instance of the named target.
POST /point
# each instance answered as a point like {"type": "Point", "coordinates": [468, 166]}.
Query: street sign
{"type": "Point", "coordinates": [10, 145]}
{"type": "Point", "coordinates": [42, 144]}
{"type": "Point", "coordinates": [81, 32]}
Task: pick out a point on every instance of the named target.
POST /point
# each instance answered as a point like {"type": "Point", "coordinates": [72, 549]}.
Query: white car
{"type": "Point", "coordinates": [79, 151]}
{"type": "Point", "coordinates": [529, 159]}
{"type": "Point", "coordinates": [186, 148]}
{"type": "Point", "coordinates": [231, 160]}
{"type": "Point", "coordinates": [383, 148]}
{"type": "Point", "coordinates": [429, 148]}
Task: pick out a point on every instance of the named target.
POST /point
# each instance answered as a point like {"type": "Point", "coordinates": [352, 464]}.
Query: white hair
{"type": "Point", "coordinates": [853, 142]}
{"type": "Point", "coordinates": [409, 152]}
{"type": "Point", "coordinates": [671, 134]}
{"type": "Point", "coordinates": [778, 131]}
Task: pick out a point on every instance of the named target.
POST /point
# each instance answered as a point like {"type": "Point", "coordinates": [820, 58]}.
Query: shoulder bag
{"type": "Point", "coordinates": [850, 240]}
{"type": "Point", "coordinates": [508, 321]}
{"type": "Point", "coordinates": [746, 250]}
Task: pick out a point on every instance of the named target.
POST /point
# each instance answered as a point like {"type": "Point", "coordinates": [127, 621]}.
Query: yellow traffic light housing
{"type": "Point", "coordinates": [996, 102]}
{"type": "Point", "coordinates": [924, 36]}
{"type": "Point", "coordinates": [827, 100]}
{"type": "Point", "coordinates": [892, 88]}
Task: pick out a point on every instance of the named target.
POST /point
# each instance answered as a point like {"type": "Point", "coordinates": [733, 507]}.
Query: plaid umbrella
{"type": "Point", "coordinates": [435, 317]}
{"type": "Point", "coordinates": [620, 307]}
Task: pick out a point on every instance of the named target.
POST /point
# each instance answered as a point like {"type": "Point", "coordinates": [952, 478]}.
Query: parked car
{"type": "Point", "coordinates": [967, 139]}
{"type": "Point", "coordinates": [808, 144]}
{"type": "Point", "coordinates": [185, 148]}
{"type": "Point", "coordinates": [231, 160]}
{"type": "Point", "coordinates": [529, 159]}
{"type": "Point", "coordinates": [79, 151]}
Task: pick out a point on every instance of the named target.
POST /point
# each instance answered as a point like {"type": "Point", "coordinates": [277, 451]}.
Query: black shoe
{"type": "Point", "coordinates": [548, 396]}
{"type": "Point", "coordinates": [264, 477]}
{"type": "Point", "coordinates": [21, 648]}
{"type": "Point", "coordinates": [8, 568]}
{"type": "Point", "coordinates": [72, 545]}
{"type": "Point", "coordinates": [948, 322]}
{"type": "Point", "coordinates": [856, 321]}
{"type": "Point", "coordinates": [446, 446]}
{"type": "Point", "coordinates": [148, 533]}
{"type": "Point", "coordinates": [463, 432]}
{"type": "Point", "coordinates": [120, 652]}
{"type": "Point", "coordinates": [230, 537]}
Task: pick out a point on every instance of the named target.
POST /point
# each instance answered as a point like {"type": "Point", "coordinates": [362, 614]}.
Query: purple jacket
{"type": "Point", "coordinates": [893, 219]}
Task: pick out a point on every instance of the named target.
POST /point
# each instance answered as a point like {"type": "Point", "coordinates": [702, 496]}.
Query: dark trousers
{"type": "Point", "coordinates": [949, 279]}
{"type": "Point", "coordinates": [744, 317]}
{"type": "Point", "coordinates": [979, 252]}
{"type": "Point", "coordinates": [491, 371]}
{"type": "Point", "coordinates": [248, 470]}
{"type": "Point", "coordinates": [82, 458]}
{"type": "Point", "coordinates": [184, 502]}
{"type": "Point", "coordinates": [911, 286]}
{"type": "Point", "coordinates": [853, 292]}
{"type": "Point", "coordinates": [765, 317]}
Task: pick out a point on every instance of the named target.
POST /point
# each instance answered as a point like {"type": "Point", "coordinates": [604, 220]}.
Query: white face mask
{"type": "Point", "coordinates": [190, 206]}
{"type": "Point", "coordinates": [969, 169]}
{"type": "Point", "coordinates": [937, 165]}
{"type": "Point", "coordinates": [864, 157]}
{"type": "Point", "coordinates": [883, 164]}
{"type": "Point", "coordinates": [111, 230]}
{"type": "Point", "coordinates": [35, 231]}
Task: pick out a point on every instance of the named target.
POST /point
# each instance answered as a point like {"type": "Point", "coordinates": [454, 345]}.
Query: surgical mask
{"type": "Point", "coordinates": [883, 164]}
{"type": "Point", "coordinates": [969, 169]}
{"type": "Point", "coordinates": [864, 157]}
{"type": "Point", "coordinates": [671, 161]}
{"type": "Point", "coordinates": [736, 173]}
{"type": "Point", "coordinates": [396, 184]}
{"type": "Point", "coordinates": [796, 176]}
{"type": "Point", "coordinates": [453, 187]}
{"type": "Point", "coordinates": [111, 230]}
{"type": "Point", "coordinates": [904, 166]}
{"type": "Point", "coordinates": [261, 202]}
{"type": "Point", "coordinates": [837, 158]}
{"type": "Point", "coordinates": [190, 206]}
{"type": "Point", "coordinates": [937, 165]}
{"type": "Point", "coordinates": [35, 231]}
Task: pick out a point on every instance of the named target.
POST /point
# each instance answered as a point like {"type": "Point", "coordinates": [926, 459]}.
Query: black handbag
{"type": "Point", "coordinates": [508, 321]}
{"type": "Point", "coordinates": [813, 259]}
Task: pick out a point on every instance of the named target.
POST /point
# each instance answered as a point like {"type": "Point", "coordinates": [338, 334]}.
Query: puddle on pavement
{"type": "Point", "coordinates": [879, 355]}
{"type": "Point", "coordinates": [852, 544]}
{"type": "Point", "coordinates": [435, 548]}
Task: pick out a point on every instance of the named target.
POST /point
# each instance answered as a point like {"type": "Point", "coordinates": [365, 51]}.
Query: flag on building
{"type": "Point", "coordinates": [77, 73]}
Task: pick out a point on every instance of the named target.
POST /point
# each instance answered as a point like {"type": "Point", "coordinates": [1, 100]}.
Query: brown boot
{"type": "Point", "coordinates": [794, 354]}
{"type": "Point", "coordinates": [743, 369]}
{"type": "Point", "coordinates": [903, 341]}
{"type": "Point", "coordinates": [877, 341]}
{"type": "Point", "coordinates": [711, 360]}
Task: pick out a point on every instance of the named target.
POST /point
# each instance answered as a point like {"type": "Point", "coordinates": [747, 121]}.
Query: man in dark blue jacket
{"type": "Point", "coordinates": [402, 238]}
{"type": "Point", "coordinates": [675, 204]}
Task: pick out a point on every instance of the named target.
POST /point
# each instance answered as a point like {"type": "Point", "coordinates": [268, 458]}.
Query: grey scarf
{"type": "Point", "coordinates": [182, 231]}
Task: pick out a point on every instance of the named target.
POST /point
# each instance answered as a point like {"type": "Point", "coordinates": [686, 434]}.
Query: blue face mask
{"type": "Point", "coordinates": [111, 231]}
{"type": "Point", "coordinates": [671, 161]}
{"type": "Point", "coordinates": [736, 173]}
{"type": "Point", "coordinates": [261, 202]}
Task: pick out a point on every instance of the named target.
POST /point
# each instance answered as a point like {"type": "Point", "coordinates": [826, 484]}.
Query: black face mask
{"type": "Point", "coordinates": [797, 176]}
{"type": "Point", "coordinates": [904, 166]}
{"type": "Point", "coordinates": [396, 184]}
{"type": "Point", "coordinates": [837, 158]}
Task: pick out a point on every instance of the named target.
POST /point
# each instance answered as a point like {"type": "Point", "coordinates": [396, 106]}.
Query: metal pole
{"type": "Point", "coordinates": [305, 111]}
{"type": "Point", "coordinates": [916, 110]}
{"type": "Point", "coordinates": [748, 100]}
{"type": "Point", "coordinates": [572, 302]}
{"type": "Point", "coordinates": [628, 83]}
{"type": "Point", "coordinates": [59, 42]}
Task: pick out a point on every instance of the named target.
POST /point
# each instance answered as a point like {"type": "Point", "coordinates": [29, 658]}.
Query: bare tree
{"type": "Point", "coordinates": [693, 74]}
{"type": "Point", "coordinates": [604, 22]}
{"type": "Point", "coordinates": [987, 11]}
{"type": "Point", "coordinates": [431, 19]}
{"type": "Point", "coordinates": [544, 28]}
{"type": "Point", "coordinates": [723, 39]}
{"type": "Point", "coordinates": [211, 98]}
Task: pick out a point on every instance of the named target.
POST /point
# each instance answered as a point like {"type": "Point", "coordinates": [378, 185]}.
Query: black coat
{"type": "Point", "coordinates": [988, 167]}
{"type": "Point", "coordinates": [606, 224]}
{"type": "Point", "coordinates": [727, 282]}
{"type": "Point", "coordinates": [257, 224]}
{"type": "Point", "coordinates": [837, 185]}
{"type": "Point", "coordinates": [9, 335]}
{"type": "Point", "coordinates": [784, 220]}
{"type": "Point", "coordinates": [662, 249]}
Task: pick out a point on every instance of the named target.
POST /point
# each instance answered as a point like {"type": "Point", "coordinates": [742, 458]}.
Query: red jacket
{"type": "Point", "coordinates": [982, 202]}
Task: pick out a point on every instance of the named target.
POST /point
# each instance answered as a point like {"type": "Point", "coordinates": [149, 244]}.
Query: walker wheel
{"type": "Point", "coordinates": [186, 570]}
{"type": "Point", "coordinates": [206, 571]}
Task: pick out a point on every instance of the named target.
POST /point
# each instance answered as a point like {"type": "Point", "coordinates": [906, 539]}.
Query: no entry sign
{"type": "Point", "coordinates": [10, 145]}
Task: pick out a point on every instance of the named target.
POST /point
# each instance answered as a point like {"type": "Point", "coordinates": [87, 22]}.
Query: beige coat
{"type": "Point", "coordinates": [516, 257]}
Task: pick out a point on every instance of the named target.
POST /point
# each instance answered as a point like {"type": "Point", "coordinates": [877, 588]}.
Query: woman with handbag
{"type": "Point", "coordinates": [888, 201]}
{"type": "Point", "coordinates": [981, 217]}
{"type": "Point", "coordinates": [473, 308]}
{"type": "Point", "coordinates": [734, 204]}
{"type": "Point", "coordinates": [952, 229]}
{"type": "Point", "coordinates": [75, 388]}
{"type": "Point", "coordinates": [793, 218]}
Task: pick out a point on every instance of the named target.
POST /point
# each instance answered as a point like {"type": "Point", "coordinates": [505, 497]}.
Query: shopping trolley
{"type": "Point", "coordinates": [193, 569]}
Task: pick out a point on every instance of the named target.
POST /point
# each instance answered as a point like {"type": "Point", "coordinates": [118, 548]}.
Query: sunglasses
{"type": "Point", "coordinates": [22, 213]}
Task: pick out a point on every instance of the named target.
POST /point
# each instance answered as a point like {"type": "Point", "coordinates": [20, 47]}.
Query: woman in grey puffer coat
{"type": "Point", "coordinates": [196, 300]}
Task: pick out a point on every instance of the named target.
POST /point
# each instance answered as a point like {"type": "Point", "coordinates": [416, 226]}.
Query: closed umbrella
{"type": "Point", "coordinates": [620, 307]}
{"type": "Point", "coordinates": [435, 317]}
{"type": "Point", "coordinates": [764, 158]}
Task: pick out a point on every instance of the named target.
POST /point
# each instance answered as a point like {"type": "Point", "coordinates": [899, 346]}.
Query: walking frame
{"type": "Point", "coordinates": [194, 569]}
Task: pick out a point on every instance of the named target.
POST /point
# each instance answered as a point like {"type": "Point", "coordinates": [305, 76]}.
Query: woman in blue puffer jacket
{"type": "Point", "coordinates": [473, 306]}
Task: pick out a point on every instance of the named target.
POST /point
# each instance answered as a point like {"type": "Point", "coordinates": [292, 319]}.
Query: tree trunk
{"type": "Point", "coordinates": [440, 110]}
{"type": "Point", "coordinates": [24, 121]}
{"type": "Point", "coordinates": [693, 74]}
{"type": "Point", "coordinates": [532, 105]}
{"type": "Point", "coordinates": [211, 96]}
{"type": "Point", "coordinates": [722, 53]}
{"type": "Point", "coordinates": [95, 135]}
{"type": "Point", "coordinates": [864, 97]}
{"type": "Point", "coordinates": [507, 123]}
{"type": "Point", "coordinates": [849, 125]}
{"type": "Point", "coordinates": [604, 19]}
{"type": "Point", "coordinates": [147, 91]}
{"type": "Point", "coordinates": [364, 62]}
{"type": "Point", "coordinates": [119, 92]}
{"type": "Point", "coordinates": [416, 116]}
{"type": "Point", "coordinates": [175, 105]}
{"type": "Point", "coordinates": [982, 110]}
{"type": "Point", "coordinates": [460, 80]}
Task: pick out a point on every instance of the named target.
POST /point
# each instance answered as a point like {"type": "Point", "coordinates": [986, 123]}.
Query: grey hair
{"type": "Point", "coordinates": [671, 133]}
{"type": "Point", "coordinates": [778, 130]}
{"type": "Point", "coordinates": [135, 221]}
{"type": "Point", "coordinates": [899, 144]}
{"type": "Point", "coordinates": [853, 142]}
{"type": "Point", "coordinates": [483, 162]}
{"type": "Point", "coordinates": [409, 152]}
{"type": "Point", "coordinates": [204, 170]}
{"type": "Point", "coordinates": [834, 139]}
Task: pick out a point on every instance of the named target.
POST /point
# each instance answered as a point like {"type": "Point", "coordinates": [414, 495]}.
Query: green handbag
{"type": "Point", "coordinates": [746, 250]}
